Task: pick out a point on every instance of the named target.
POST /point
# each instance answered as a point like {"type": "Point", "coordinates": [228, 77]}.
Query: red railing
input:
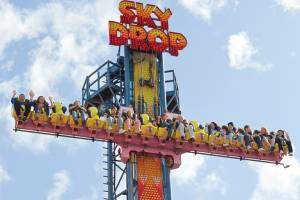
{"type": "Point", "coordinates": [172, 149]}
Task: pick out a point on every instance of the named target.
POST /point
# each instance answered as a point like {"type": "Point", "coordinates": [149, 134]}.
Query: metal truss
{"type": "Point", "coordinates": [105, 86]}
{"type": "Point", "coordinates": [172, 92]}
{"type": "Point", "coordinates": [115, 173]}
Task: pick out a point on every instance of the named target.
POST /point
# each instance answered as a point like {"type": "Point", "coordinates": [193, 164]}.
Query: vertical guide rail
{"type": "Point", "coordinates": [131, 174]}
{"type": "Point", "coordinates": [127, 75]}
{"type": "Point", "coordinates": [110, 174]}
{"type": "Point", "coordinates": [166, 179]}
{"type": "Point", "coordinates": [131, 178]}
{"type": "Point", "coordinates": [129, 181]}
{"type": "Point", "coordinates": [162, 92]}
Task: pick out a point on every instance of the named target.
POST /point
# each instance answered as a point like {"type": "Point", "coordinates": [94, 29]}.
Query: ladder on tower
{"type": "Point", "coordinates": [172, 92]}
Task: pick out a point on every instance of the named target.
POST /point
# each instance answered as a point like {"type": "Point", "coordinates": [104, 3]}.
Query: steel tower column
{"type": "Point", "coordinates": [131, 178]}
{"type": "Point", "coordinates": [162, 90]}
{"type": "Point", "coordinates": [110, 182]}
{"type": "Point", "coordinates": [166, 179]}
{"type": "Point", "coordinates": [131, 164]}
{"type": "Point", "coordinates": [127, 76]}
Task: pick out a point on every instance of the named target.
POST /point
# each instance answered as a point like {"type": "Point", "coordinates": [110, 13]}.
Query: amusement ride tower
{"type": "Point", "coordinates": [137, 81]}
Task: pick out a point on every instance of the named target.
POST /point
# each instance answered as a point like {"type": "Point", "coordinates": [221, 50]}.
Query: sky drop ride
{"type": "Point", "coordinates": [144, 161]}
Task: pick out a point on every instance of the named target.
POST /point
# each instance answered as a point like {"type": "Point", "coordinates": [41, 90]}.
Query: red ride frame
{"type": "Point", "coordinates": [149, 145]}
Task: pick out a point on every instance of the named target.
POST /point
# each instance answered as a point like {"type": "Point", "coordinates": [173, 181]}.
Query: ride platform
{"type": "Point", "coordinates": [153, 145]}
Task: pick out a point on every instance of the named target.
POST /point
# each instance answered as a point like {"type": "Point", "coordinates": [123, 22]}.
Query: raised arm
{"type": "Point", "coordinates": [47, 109]}
{"type": "Point", "coordinates": [83, 109]}
{"type": "Point", "coordinates": [72, 107]}
{"type": "Point", "coordinates": [14, 93]}
{"type": "Point", "coordinates": [31, 95]}
{"type": "Point", "coordinates": [13, 98]}
{"type": "Point", "coordinates": [286, 135]}
{"type": "Point", "coordinates": [51, 101]}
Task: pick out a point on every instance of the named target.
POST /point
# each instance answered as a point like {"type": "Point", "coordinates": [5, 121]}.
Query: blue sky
{"type": "Point", "coordinates": [241, 64]}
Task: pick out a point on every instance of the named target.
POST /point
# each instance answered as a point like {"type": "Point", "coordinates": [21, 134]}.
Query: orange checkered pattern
{"type": "Point", "coordinates": [150, 183]}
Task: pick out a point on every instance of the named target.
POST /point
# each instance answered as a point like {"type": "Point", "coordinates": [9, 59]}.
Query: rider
{"type": "Point", "coordinates": [76, 110]}
{"type": "Point", "coordinates": [21, 104]}
{"type": "Point", "coordinates": [41, 106]}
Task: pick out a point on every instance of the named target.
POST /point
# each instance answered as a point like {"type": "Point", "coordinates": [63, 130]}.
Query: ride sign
{"type": "Point", "coordinates": [143, 32]}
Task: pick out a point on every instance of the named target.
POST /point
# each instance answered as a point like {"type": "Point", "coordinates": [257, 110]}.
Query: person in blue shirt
{"type": "Point", "coordinates": [41, 106]}
{"type": "Point", "coordinates": [22, 105]}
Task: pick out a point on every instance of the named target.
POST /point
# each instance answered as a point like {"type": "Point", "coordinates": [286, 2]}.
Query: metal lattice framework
{"type": "Point", "coordinates": [115, 175]}
{"type": "Point", "coordinates": [172, 92]}
{"type": "Point", "coordinates": [105, 86]}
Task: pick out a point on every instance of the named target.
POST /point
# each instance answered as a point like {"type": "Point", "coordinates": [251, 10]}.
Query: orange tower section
{"type": "Point", "coordinates": [150, 183]}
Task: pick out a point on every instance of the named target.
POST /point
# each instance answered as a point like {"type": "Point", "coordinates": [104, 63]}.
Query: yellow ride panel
{"type": "Point", "coordinates": [145, 68]}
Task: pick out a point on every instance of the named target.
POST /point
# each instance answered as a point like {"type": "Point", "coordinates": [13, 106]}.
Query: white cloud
{"type": "Point", "coordinates": [4, 177]}
{"type": "Point", "coordinates": [6, 87]}
{"type": "Point", "coordinates": [243, 54]}
{"type": "Point", "coordinates": [275, 182]}
{"type": "Point", "coordinates": [61, 183]}
{"type": "Point", "coordinates": [11, 26]}
{"type": "Point", "coordinates": [67, 35]}
{"type": "Point", "coordinates": [190, 166]}
{"type": "Point", "coordinates": [289, 5]}
{"type": "Point", "coordinates": [77, 73]}
{"type": "Point", "coordinates": [70, 41]}
{"type": "Point", "coordinates": [205, 8]}
{"type": "Point", "coordinates": [35, 143]}
{"type": "Point", "coordinates": [75, 36]}
{"type": "Point", "coordinates": [193, 172]}
{"type": "Point", "coordinates": [213, 182]}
